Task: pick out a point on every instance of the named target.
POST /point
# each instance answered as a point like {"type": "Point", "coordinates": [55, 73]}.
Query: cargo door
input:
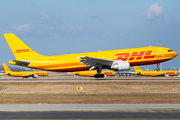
{"type": "Point", "coordinates": [159, 53]}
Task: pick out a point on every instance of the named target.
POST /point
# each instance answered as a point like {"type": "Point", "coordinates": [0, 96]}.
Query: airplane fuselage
{"type": "Point", "coordinates": [156, 73]}
{"type": "Point", "coordinates": [26, 73]}
{"type": "Point", "coordinates": [71, 62]}
{"type": "Point", "coordinates": [91, 73]}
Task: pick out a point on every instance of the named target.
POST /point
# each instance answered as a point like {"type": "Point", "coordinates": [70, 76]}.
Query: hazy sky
{"type": "Point", "coordinates": [55, 27]}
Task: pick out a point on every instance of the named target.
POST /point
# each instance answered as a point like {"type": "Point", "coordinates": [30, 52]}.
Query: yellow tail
{"type": "Point", "coordinates": [137, 69]}
{"type": "Point", "coordinates": [20, 50]}
{"type": "Point", "coordinates": [6, 69]}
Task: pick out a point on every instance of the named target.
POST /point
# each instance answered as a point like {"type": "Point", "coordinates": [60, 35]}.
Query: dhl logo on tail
{"type": "Point", "coordinates": [22, 50]}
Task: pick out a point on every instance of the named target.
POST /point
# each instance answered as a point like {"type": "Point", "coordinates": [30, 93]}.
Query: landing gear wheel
{"type": "Point", "coordinates": [157, 69]}
{"type": "Point", "coordinates": [96, 75]}
{"type": "Point", "coordinates": [99, 75]}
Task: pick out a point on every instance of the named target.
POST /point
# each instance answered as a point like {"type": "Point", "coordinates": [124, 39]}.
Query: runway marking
{"type": "Point", "coordinates": [31, 110]}
{"type": "Point", "coordinates": [106, 119]}
{"type": "Point", "coordinates": [93, 91]}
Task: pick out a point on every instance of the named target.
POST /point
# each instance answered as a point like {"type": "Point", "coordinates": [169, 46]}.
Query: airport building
{"type": "Point", "coordinates": [128, 73]}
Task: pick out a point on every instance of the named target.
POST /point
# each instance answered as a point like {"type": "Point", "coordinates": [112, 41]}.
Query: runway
{"type": "Point", "coordinates": [90, 111]}
{"type": "Point", "coordinates": [90, 107]}
{"type": "Point", "coordinates": [87, 79]}
{"type": "Point", "coordinates": [90, 115]}
{"type": "Point", "coordinates": [100, 99]}
{"type": "Point", "coordinates": [101, 91]}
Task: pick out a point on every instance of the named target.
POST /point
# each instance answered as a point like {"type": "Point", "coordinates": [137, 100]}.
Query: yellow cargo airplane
{"type": "Point", "coordinates": [92, 73]}
{"type": "Point", "coordinates": [24, 74]}
{"type": "Point", "coordinates": [138, 71]}
{"type": "Point", "coordinates": [112, 59]}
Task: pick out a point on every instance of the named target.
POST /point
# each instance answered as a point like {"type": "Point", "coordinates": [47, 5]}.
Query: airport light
{"type": "Point", "coordinates": [161, 43]}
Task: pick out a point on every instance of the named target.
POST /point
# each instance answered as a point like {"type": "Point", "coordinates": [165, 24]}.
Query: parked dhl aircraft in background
{"type": "Point", "coordinates": [92, 73]}
{"type": "Point", "coordinates": [113, 59]}
{"type": "Point", "coordinates": [138, 71]}
{"type": "Point", "coordinates": [24, 74]}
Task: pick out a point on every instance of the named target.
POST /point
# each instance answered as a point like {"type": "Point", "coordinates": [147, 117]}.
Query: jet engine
{"type": "Point", "coordinates": [120, 65]}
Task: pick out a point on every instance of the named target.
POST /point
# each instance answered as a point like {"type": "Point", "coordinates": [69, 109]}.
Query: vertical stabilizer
{"type": "Point", "coordinates": [137, 69]}
{"type": "Point", "coordinates": [20, 50]}
{"type": "Point", "coordinates": [6, 69]}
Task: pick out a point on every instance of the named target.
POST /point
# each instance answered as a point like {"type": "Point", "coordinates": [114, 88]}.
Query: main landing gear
{"type": "Point", "coordinates": [158, 69]}
{"type": "Point", "coordinates": [99, 75]}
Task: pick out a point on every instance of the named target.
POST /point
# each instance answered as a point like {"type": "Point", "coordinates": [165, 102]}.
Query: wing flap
{"type": "Point", "coordinates": [92, 61]}
{"type": "Point", "coordinates": [95, 62]}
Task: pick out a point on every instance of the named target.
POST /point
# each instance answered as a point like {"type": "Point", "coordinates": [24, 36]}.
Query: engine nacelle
{"type": "Point", "coordinates": [120, 65]}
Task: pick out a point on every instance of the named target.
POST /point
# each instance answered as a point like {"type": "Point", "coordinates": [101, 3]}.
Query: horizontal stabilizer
{"type": "Point", "coordinates": [14, 62]}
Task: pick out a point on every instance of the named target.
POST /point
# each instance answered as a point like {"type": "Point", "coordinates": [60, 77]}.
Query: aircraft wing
{"type": "Point", "coordinates": [162, 75]}
{"type": "Point", "coordinates": [32, 75]}
{"type": "Point", "coordinates": [95, 62]}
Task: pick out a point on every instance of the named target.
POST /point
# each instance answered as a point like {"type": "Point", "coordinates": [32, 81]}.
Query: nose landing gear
{"type": "Point", "coordinates": [158, 69]}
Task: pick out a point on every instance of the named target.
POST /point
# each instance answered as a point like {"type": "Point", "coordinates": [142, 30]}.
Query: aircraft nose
{"type": "Point", "coordinates": [175, 54]}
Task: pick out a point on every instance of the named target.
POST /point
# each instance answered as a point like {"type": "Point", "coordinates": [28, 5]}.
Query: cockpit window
{"type": "Point", "coordinates": [170, 50]}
